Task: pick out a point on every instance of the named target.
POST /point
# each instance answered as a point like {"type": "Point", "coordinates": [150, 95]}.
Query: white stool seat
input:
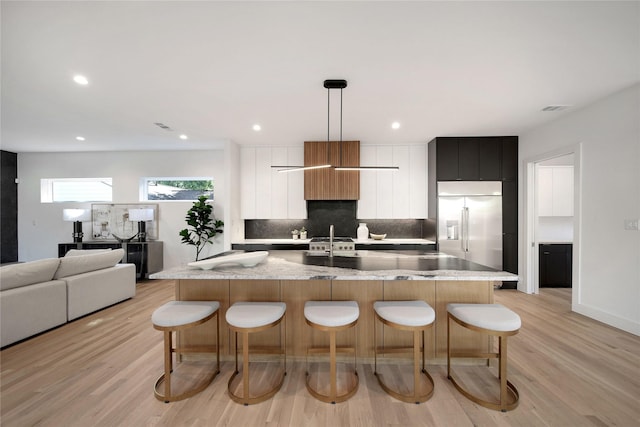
{"type": "Point", "coordinates": [495, 317]}
{"type": "Point", "coordinates": [254, 314]}
{"type": "Point", "coordinates": [331, 313]}
{"type": "Point", "coordinates": [178, 313]}
{"type": "Point", "coordinates": [407, 313]}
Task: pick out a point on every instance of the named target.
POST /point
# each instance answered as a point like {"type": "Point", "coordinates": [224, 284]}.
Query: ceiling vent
{"type": "Point", "coordinates": [556, 107]}
{"type": "Point", "coordinates": [162, 125]}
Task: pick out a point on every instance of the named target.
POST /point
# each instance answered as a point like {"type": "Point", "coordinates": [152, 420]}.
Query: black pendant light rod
{"type": "Point", "coordinates": [340, 143]}
{"type": "Point", "coordinates": [340, 114]}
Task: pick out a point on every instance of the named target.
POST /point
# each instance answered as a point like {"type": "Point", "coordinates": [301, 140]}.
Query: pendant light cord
{"type": "Point", "coordinates": [328, 125]}
{"type": "Point", "coordinates": [340, 143]}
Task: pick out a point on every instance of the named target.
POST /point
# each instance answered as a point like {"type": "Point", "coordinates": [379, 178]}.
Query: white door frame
{"type": "Point", "coordinates": [530, 264]}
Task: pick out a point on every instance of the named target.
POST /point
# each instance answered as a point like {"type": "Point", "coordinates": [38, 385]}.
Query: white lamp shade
{"type": "Point", "coordinates": [76, 215]}
{"type": "Point", "coordinates": [140, 214]}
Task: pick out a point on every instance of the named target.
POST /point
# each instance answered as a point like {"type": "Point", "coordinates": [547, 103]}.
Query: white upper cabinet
{"type": "Point", "coordinates": [555, 191]}
{"type": "Point", "coordinates": [248, 183]}
{"type": "Point", "coordinates": [296, 205]}
{"type": "Point", "coordinates": [266, 193]}
{"type": "Point", "coordinates": [393, 194]}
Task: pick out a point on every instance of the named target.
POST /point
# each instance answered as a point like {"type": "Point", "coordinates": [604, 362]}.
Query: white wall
{"type": "Point", "coordinates": [609, 134]}
{"type": "Point", "coordinates": [40, 225]}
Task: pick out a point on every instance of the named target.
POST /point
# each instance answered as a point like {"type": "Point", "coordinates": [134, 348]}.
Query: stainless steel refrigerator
{"type": "Point", "coordinates": [470, 221]}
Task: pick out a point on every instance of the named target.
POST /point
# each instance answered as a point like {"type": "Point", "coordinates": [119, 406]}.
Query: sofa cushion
{"type": "Point", "coordinates": [27, 273]}
{"type": "Point", "coordinates": [79, 252]}
{"type": "Point", "coordinates": [73, 265]}
{"type": "Point", "coordinates": [32, 309]}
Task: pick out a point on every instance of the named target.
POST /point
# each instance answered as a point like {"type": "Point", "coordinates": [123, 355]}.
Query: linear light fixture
{"type": "Point", "coordinates": [367, 168]}
{"type": "Point", "coordinates": [298, 168]}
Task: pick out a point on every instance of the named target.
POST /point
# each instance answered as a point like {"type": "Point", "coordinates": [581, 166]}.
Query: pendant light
{"type": "Point", "coordinates": [334, 84]}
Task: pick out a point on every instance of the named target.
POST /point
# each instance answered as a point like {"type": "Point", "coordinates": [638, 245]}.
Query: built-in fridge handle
{"type": "Point", "coordinates": [464, 241]}
{"type": "Point", "coordinates": [462, 229]}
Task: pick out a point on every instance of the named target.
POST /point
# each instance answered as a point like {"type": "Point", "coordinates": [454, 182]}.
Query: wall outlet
{"type": "Point", "coordinates": [631, 224]}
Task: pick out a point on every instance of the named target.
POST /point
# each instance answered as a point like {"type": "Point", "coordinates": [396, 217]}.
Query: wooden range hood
{"type": "Point", "coordinates": [329, 183]}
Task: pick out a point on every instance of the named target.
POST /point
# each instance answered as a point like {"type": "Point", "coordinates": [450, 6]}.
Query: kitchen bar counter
{"type": "Point", "coordinates": [367, 265]}
{"type": "Point", "coordinates": [294, 277]}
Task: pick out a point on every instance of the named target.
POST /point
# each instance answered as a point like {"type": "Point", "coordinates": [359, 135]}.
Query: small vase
{"type": "Point", "coordinates": [303, 235]}
{"type": "Point", "coordinates": [363, 232]}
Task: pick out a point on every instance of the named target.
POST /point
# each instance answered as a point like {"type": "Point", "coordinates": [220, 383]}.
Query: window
{"type": "Point", "coordinates": [53, 190]}
{"type": "Point", "coordinates": [175, 188]}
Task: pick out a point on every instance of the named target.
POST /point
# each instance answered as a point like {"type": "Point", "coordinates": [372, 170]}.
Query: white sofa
{"type": "Point", "coordinates": [38, 295]}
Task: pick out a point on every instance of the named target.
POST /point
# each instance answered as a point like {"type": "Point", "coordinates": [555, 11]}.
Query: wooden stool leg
{"type": "Point", "coordinates": [416, 363]}
{"type": "Point", "coordinates": [245, 364]}
{"type": "Point", "coordinates": [168, 363]}
{"type": "Point", "coordinates": [448, 346]}
{"type": "Point", "coordinates": [502, 358]}
{"type": "Point", "coordinates": [332, 364]}
{"type": "Point", "coordinates": [217, 344]}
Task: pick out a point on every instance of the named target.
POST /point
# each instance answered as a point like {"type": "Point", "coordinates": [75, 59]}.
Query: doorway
{"type": "Point", "coordinates": [544, 224]}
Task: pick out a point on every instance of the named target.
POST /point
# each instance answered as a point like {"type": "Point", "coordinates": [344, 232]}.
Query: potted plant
{"type": "Point", "coordinates": [303, 233]}
{"type": "Point", "coordinates": [295, 234]}
{"type": "Point", "coordinates": [203, 225]}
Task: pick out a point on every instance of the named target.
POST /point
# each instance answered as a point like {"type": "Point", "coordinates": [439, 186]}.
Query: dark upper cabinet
{"type": "Point", "coordinates": [447, 159]}
{"type": "Point", "coordinates": [474, 158]}
{"type": "Point", "coordinates": [468, 155]}
{"type": "Point", "coordinates": [490, 159]}
{"type": "Point", "coordinates": [510, 158]}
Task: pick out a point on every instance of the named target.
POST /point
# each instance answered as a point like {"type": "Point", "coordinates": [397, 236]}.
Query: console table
{"type": "Point", "coordinates": [147, 256]}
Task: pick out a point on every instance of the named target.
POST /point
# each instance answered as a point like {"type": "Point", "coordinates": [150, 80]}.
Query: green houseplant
{"type": "Point", "coordinates": [203, 225]}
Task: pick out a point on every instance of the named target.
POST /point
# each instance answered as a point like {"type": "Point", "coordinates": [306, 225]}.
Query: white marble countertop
{"type": "Point", "coordinates": [278, 267]}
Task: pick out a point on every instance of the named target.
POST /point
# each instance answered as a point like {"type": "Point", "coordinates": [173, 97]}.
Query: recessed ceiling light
{"type": "Point", "coordinates": [81, 80]}
{"type": "Point", "coordinates": [395, 125]}
{"type": "Point", "coordinates": [80, 138]}
{"type": "Point", "coordinates": [257, 127]}
{"type": "Point", "coordinates": [183, 136]}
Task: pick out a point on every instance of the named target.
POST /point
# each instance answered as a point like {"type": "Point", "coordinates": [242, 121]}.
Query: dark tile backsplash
{"type": "Point", "coordinates": [342, 214]}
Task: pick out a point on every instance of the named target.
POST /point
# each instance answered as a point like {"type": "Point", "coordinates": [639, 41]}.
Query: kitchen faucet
{"type": "Point", "coordinates": [331, 241]}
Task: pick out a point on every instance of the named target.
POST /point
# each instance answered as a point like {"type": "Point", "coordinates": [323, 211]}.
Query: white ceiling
{"type": "Point", "coordinates": [212, 69]}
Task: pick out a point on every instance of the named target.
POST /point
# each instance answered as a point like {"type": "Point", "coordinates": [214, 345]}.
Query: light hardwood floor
{"type": "Point", "coordinates": [99, 371]}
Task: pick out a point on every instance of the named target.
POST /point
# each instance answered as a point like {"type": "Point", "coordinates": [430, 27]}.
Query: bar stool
{"type": "Point", "coordinates": [491, 319]}
{"type": "Point", "coordinates": [178, 316]}
{"type": "Point", "coordinates": [332, 317]}
{"type": "Point", "coordinates": [413, 316]}
{"type": "Point", "coordinates": [247, 318]}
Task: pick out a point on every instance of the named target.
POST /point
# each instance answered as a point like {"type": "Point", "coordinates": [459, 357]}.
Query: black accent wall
{"type": "Point", "coordinates": [8, 207]}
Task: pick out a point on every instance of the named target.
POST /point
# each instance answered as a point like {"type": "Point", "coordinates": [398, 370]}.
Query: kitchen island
{"type": "Point", "coordinates": [368, 276]}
